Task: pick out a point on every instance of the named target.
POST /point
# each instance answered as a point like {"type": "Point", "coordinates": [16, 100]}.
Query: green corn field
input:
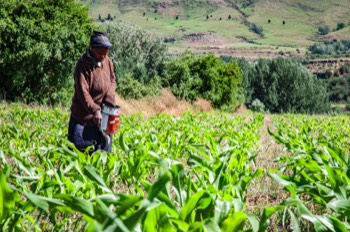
{"type": "Point", "coordinates": [197, 172]}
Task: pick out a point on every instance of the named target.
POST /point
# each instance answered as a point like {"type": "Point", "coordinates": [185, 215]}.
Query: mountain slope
{"type": "Point", "coordinates": [225, 24]}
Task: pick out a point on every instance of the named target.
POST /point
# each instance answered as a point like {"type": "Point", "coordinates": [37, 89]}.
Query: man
{"type": "Point", "coordinates": [94, 85]}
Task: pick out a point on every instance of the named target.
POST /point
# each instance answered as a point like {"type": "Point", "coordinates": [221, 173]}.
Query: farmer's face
{"type": "Point", "coordinates": [99, 54]}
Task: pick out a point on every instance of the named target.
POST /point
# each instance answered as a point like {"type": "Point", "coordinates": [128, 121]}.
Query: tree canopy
{"type": "Point", "coordinates": [40, 43]}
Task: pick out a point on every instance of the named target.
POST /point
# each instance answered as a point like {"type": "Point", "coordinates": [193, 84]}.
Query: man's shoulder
{"type": "Point", "coordinates": [85, 61]}
{"type": "Point", "coordinates": [109, 60]}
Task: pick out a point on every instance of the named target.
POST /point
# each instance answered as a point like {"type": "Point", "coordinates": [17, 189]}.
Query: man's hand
{"type": "Point", "coordinates": [97, 118]}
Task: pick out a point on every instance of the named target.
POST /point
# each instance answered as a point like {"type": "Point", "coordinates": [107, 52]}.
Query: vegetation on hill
{"type": "Point", "coordinates": [139, 56]}
{"type": "Point", "coordinates": [39, 45]}
{"type": "Point", "coordinates": [191, 77]}
{"type": "Point", "coordinates": [282, 85]}
{"type": "Point", "coordinates": [139, 59]}
{"type": "Point", "coordinates": [331, 48]}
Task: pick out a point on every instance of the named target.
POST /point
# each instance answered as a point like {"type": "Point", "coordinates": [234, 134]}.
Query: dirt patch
{"type": "Point", "coordinates": [203, 37]}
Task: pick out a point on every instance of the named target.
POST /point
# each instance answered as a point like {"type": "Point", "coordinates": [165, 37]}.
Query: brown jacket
{"type": "Point", "coordinates": [93, 85]}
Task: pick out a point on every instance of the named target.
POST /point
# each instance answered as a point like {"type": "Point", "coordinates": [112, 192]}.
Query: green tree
{"type": "Point", "coordinates": [207, 77]}
{"type": "Point", "coordinates": [323, 30]}
{"type": "Point", "coordinates": [181, 80]}
{"type": "Point", "coordinates": [40, 43]}
{"type": "Point", "coordinates": [245, 67]}
{"type": "Point", "coordinates": [285, 85]}
{"type": "Point", "coordinates": [340, 26]}
{"type": "Point", "coordinates": [339, 89]}
{"type": "Point", "coordinates": [256, 28]}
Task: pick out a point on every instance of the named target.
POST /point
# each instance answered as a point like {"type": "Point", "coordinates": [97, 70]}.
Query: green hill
{"type": "Point", "coordinates": [224, 26]}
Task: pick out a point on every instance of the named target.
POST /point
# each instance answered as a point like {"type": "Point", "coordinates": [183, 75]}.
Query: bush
{"type": "Point", "coordinates": [257, 106]}
{"type": "Point", "coordinates": [180, 79]}
{"type": "Point", "coordinates": [40, 43]}
{"type": "Point", "coordinates": [207, 77]}
{"type": "Point", "coordinates": [135, 52]}
{"type": "Point", "coordinates": [323, 30]}
{"type": "Point", "coordinates": [340, 26]}
{"type": "Point", "coordinates": [339, 89]}
{"type": "Point", "coordinates": [256, 28]}
{"type": "Point", "coordinates": [285, 85]}
{"type": "Point", "coordinates": [245, 67]}
{"type": "Point", "coordinates": [345, 69]}
{"type": "Point", "coordinates": [130, 88]}
{"type": "Point", "coordinates": [330, 47]}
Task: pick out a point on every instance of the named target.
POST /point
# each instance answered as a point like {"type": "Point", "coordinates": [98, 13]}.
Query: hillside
{"type": "Point", "coordinates": [223, 26]}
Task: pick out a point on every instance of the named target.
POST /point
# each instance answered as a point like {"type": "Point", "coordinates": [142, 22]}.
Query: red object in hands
{"type": "Point", "coordinates": [112, 124]}
{"type": "Point", "coordinates": [110, 119]}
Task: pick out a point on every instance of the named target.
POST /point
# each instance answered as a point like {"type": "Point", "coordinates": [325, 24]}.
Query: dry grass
{"type": "Point", "coordinates": [203, 105]}
{"type": "Point", "coordinates": [165, 103]}
{"type": "Point", "coordinates": [264, 192]}
{"type": "Point", "coordinates": [241, 110]}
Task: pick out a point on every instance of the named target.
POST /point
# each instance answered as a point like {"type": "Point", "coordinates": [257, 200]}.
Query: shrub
{"type": "Point", "coordinates": [40, 43]}
{"type": "Point", "coordinates": [130, 88]}
{"type": "Point", "coordinates": [339, 89]}
{"type": "Point", "coordinates": [285, 85]}
{"type": "Point", "coordinates": [257, 106]}
{"type": "Point", "coordinates": [136, 53]}
{"type": "Point", "coordinates": [344, 69]}
{"type": "Point", "coordinates": [245, 67]}
{"type": "Point", "coordinates": [330, 47]}
{"type": "Point", "coordinates": [207, 77]}
{"type": "Point", "coordinates": [179, 78]}
{"type": "Point", "coordinates": [256, 28]}
{"type": "Point", "coordinates": [169, 40]}
{"type": "Point", "coordinates": [340, 26]}
{"type": "Point", "coordinates": [328, 74]}
{"type": "Point", "coordinates": [323, 30]}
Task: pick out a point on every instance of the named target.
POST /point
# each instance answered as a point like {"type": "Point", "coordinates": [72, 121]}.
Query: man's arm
{"type": "Point", "coordinates": [82, 90]}
{"type": "Point", "coordinates": [110, 95]}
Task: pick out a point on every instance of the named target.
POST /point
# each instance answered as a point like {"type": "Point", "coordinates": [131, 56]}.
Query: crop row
{"type": "Point", "coordinates": [188, 173]}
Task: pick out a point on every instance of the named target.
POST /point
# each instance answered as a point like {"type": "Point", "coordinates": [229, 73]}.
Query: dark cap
{"type": "Point", "coordinates": [99, 40]}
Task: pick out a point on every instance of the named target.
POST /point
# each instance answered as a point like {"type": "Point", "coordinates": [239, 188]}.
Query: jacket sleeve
{"type": "Point", "coordinates": [81, 77]}
{"type": "Point", "coordinates": [110, 95]}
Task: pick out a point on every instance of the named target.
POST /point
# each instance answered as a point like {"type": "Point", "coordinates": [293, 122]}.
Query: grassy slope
{"type": "Point", "coordinates": [302, 20]}
{"type": "Point", "coordinates": [302, 17]}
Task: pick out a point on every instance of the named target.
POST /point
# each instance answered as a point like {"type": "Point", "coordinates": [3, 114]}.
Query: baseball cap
{"type": "Point", "coordinates": [99, 40]}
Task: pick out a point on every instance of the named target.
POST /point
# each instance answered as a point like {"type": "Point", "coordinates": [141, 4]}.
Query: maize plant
{"type": "Point", "coordinates": [165, 173]}
{"type": "Point", "coordinates": [315, 170]}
